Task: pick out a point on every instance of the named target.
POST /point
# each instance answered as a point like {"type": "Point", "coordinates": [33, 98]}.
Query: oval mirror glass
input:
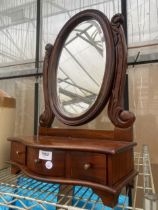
{"type": "Point", "coordinates": [81, 68]}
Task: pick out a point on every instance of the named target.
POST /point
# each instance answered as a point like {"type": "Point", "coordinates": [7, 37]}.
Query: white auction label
{"type": "Point", "coordinates": [49, 165]}
{"type": "Point", "coordinates": [45, 155]}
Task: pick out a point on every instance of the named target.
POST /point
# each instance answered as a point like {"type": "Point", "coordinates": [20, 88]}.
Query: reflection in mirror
{"type": "Point", "coordinates": [81, 68]}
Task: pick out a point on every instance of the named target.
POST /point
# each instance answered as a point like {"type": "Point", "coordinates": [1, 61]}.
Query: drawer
{"type": "Point", "coordinates": [88, 166]}
{"type": "Point", "coordinates": [54, 168]}
{"type": "Point", "coordinates": [18, 152]}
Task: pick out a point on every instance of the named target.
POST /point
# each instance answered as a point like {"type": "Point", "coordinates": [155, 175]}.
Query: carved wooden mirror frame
{"type": "Point", "coordinates": [114, 74]}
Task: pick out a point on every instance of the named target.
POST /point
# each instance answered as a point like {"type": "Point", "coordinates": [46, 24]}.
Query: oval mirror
{"type": "Point", "coordinates": [78, 82]}
{"type": "Point", "coordinates": [81, 68]}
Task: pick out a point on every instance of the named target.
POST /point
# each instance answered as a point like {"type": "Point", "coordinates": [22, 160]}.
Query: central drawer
{"type": "Point", "coordinates": [88, 166]}
{"type": "Point", "coordinates": [54, 167]}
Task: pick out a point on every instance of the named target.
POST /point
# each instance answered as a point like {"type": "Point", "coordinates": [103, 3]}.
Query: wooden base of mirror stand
{"type": "Point", "coordinates": [108, 198]}
{"type": "Point", "coordinates": [105, 166]}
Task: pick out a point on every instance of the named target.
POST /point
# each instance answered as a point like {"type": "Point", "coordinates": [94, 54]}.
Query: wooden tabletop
{"type": "Point", "coordinates": [70, 143]}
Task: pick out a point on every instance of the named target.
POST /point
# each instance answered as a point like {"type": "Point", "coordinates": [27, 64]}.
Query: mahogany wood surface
{"type": "Point", "coordinates": [120, 118]}
{"type": "Point", "coordinates": [112, 88]}
{"type": "Point", "coordinates": [102, 160]}
{"type": "Point", "coordinates": [122, 134]}
{"type": "Point", "coordinates": [14, 169]}
{"type": "Point", "coordinates": [38, 166]}
{"type": "Point", "coordinates": [119, 134]}
{"type": "Point", "coordinates": [109, 198]}
{"type": "Point", "coordinates": [119, 165]}
{"type": "Point", "coordinates": [47, 117]}
{"type": "Point", "coordinates": [97, 166]}
{"type": "Point", "coordinates": [109, 195]}
{"type": "Point", "coordinates": [77, 133]}
{"type": "Point", "coordinates": [106, 86]}
{"type": "Point", "coordinates": [105, 188]}
{"type": "Point", "coordinates": [91, 162]}
{"type": "Point", "coordinates": [82, 144]}
{"type": "Point", "coordinates": [18, 152]}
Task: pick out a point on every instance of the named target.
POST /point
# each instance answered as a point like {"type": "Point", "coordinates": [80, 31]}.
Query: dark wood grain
{"type": "Point", "coordinates": [97, 170]}
{"type": "Point", "coordinates": [120, 118]}
{"type": "Point", "coordinates": [58, 160]}
{"type": "Point", "coordinates": [102, 160]}
{"type": "Point", "coordinates": [77, 133]}
{"type": "Point", "coordinates": [82, 144]}
{"type": "Point", "coordinates": [47, 117]}
{"type": "Point", "coordinates": [123, 134]}
{"type": "Point", "coordinates": [114, 189]}
{"type": "Point", "coordinates": [109, 198]}
{"type": "Point", "coordinates": [118, 134]}
{"type": "Point", "coordinates": [105, 89]}
{"type": "Point", "coordinates": [114, 75]}
{"type": "Point", "coordinates": [15, 169]}
{"type": "Point", "coordinates": [18, 152]}
{"type": "Point", "coordinates": [119, 166]}
{"type": "Point", "coordinates": [110, 163]}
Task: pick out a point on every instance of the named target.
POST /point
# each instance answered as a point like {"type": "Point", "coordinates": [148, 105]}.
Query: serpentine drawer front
{"type": "Point", "coordinates": [101, 168]}
{"type": "Point", "coordinates": [54, 167]}
{"type": "Point", "coordinates": [97, 167]}
{"type": "Point", "coordinates": [82, 165]}
{"type": "Point", "coordinates": [88, 166]}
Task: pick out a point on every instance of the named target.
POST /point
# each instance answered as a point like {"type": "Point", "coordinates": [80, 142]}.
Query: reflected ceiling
{"type": "Point", "coordinates": [81, 68]}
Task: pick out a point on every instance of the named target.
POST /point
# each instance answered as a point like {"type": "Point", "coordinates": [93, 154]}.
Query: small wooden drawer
{"type": "Point", "coordinates": [54, 167]}
{"type": "Point", "coordinates": [88, 166]}
{"type": "Point", "coordinates": [18, 152]}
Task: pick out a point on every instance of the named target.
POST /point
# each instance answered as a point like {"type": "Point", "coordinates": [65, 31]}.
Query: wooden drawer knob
{"type": "Point", "coordinates": [87, 166]}
{"type": "Point", "coordinates": [36, 161]}
{"type": "Point", "coordinates": [19, 153]}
